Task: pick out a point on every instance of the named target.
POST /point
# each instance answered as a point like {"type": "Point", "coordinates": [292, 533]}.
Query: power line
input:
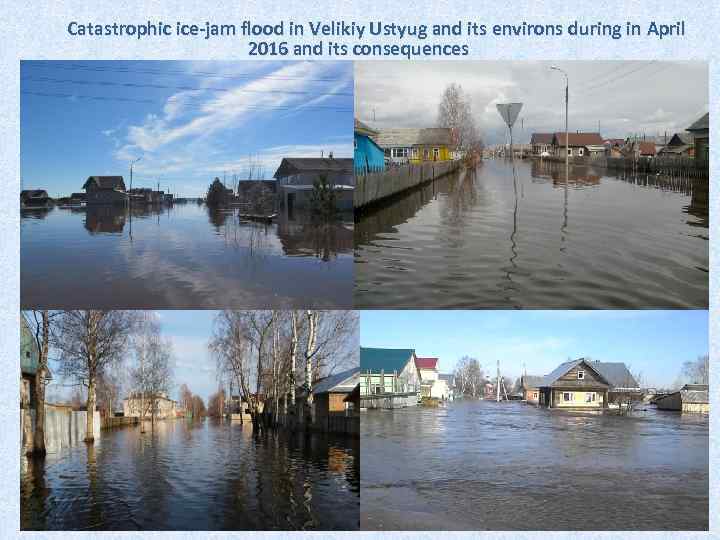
{"type": "Point", "coordinates": [151, 101]}
{"type": "Point", "coordinates": [185, 88]}
{"type": "Point", "coordinates": [619, 77]}
{"type": "Point", "coordinates": [210, 75]}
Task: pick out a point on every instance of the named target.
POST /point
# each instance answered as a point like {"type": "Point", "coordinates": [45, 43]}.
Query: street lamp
{"type": "Point", "coordinates": [133, 162]}
{"type": "Point", "coordinates": [567, 142]}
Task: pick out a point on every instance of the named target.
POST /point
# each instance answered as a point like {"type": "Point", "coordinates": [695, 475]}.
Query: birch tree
{"type": "Point", "coordinates": [39, 322]}
{"type": "Point", "coordinates": [89, 342]}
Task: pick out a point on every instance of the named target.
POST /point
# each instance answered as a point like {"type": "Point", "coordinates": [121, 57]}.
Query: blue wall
{"type": "Point", "coordinates": [368, 153]}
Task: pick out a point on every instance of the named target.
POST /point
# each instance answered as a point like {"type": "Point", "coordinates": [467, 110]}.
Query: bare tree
{"type": "Point", "coordinates": [698, 371]}
{"type": "Point", "coordinates": [152, 375]}
{"type": "Point", "coordinates": [89, 343]}
{"type": "Point", "coordinates": [185, 398]}
{"type": "Point", "coordinates": [39, 322]}
{"type": "Point", "coordinates": [469, 377]}
{"type": "Point", "coordinates": [455, 113]}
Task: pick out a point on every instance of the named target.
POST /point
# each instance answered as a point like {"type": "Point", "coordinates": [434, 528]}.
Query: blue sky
{"type": "Point", "coordinates": [189, 332]}
{"type": "Point", "coordinates": [655, 343]}
{"type": "Point", "coordinates": [188, 121]}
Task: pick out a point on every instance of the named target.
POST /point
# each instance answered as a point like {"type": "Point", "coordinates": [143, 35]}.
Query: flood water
{"type": "Point", "coordinates": [179, 257]}
{"type": "Point", "coordinates": [195, 476]}
{"type": "Point", "coordinates": [491, 238]}
{"type": "Point", "coordinates": [510, 466]}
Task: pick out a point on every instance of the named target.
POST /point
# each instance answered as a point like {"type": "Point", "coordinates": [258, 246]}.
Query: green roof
{"type": "Point", "coordinates": [387, 360]}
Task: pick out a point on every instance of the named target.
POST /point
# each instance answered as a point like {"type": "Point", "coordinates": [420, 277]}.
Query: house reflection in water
{"type": "Point", "coordinates": [105, 219]}
{"type": "Point", "coordinates": [300, 235]}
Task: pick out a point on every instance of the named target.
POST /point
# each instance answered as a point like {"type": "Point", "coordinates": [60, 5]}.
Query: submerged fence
{"type": "Point", "coordinates": [63, 427]}
{"type": "Point", "coordinates": [663, 165]}
{"type": "Point", "coordinates": [372, 186]}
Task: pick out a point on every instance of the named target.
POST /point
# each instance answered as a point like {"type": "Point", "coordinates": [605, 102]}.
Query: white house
{"type": "Point", "coordinates": [431, 384]}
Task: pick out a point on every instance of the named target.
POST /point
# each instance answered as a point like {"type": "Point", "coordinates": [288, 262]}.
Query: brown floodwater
{"type": "Point", "coordinates": [513, 236]}
{"type": "Point", "coordinates": [183, 256]}
{"type": "Point", "coordinates": [194, 476]}
{"type": "Point", "coordinates": [480, 465]}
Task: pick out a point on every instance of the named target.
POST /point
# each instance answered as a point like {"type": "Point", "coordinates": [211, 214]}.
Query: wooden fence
{"type": "Point", "coordinates": [664, 165]}
{"type": "Point", "coordinates": [375, 186]}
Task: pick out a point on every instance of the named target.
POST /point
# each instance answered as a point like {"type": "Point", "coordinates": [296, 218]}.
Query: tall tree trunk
{"type": "Point", "coordinates": [39, 434]}
{"type": "Point", "coordinates": [309, 352]}
{"type": "Point", "coordinates": [90, 413]}
{"type": "Point", "coordinates": [293, 357]}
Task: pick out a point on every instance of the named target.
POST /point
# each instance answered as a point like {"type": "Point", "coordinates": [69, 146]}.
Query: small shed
{"type": "Point", "coordinates": [691, 398]}
{"type": "Point", "coordinates": [329, 393]}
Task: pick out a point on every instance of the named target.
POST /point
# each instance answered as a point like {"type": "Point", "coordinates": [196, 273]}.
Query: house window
{"type": "Point", "coordinates": [426, 154]}
{"type": "Point", "coordinates": [589, 397]}
{"type": "Point", "coordinates": [535, 395]}
{"type": "Point", "coordinates": [581, 151]}
{"type": "Point", "coordinates": [436, 154]}
{"type": "Point", "coordinates": [567, 396]}
{"type": "Point", "coordinates": [378, 389]}
{"type": "Point", "coordinates": [399, 152]}
{"type": "Point", "coordinates": [581, 375]}
{"type": "Point", "coordinates": [569, 151]}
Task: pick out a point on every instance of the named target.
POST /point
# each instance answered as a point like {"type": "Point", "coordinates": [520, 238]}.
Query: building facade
{"type": "Point", "coordinates": [368, 156]}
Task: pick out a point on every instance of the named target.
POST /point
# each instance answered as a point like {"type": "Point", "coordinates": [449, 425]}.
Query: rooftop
{"type": "Point", "coordinates": [342, 382]}
{"type": "Point", "coordinates": [426, 363]}
{"type": "Point", "coordinates": [701, 123]}
{"type": "Point", "coordinates": [387, 360]}
{"type": "Point", "coordinates": [291, 165]}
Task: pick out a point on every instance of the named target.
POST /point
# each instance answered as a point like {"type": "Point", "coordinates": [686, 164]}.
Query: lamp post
{"type": "Point", "coordinates": [567, 142]}
{"type": "Point", "coordinates": [133, 162]}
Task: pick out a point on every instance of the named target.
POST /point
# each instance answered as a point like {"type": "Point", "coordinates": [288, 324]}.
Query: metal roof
{"type": "Point", "coordinates": [406, 137]}
{"type": "Point", "coordinates": [531, 381]}
{"type": "Point", "coordinates": [342, 382]}
{"type": "Point", "coordinates": [616, 374]}
{"type": "Point", "coordinates": [579, 139]}
{"type": "Point", "coordinates": [292, 165]}
{"type": "Point", "coordinates": [701, 123]}
{"type": "Point", "coordinates": [541, 138]}
{"type": "Point", "coordinates": [106, 182]}
{"type": "Point", "coordinates": [426, 363]}
{"type": "Point", "coordinates": [364, 129]}
{"type": "Point", "coordinates": [387, 360]}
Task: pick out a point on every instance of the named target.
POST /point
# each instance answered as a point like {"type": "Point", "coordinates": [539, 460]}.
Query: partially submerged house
{"type": "Point", "coordinates": [368, 156]}
{"type": "Point", "coordinates": [416, 145]}
{"type": "Point", "coordinates": [105, 190]}
{"type": "Point", "coordinates": [329, 393]}
{"type": "Point", "coordinates": [34, 198]}
{"type": "Point", "coordinates": [587, 384]}
{"type": "Point", "coordinates": [700, 130]}
{"type": "Point", "coordinates": [691, 398]}
{"type": "Point", "coordinates": [388, 378]}
{"type": "Point", "coordinates": [578, 144]}
{"type": "Point", "coordinates": [297, 177]}
{"type": "Point", "coordinates": [449, 380]}
{"type": "Point", "coordinates": [431, 385]}
{"type": "Point", "coordinates": [29, 363]}
{"type": "Point", "coordinates": [529, 388]}
{"type": "Point", "coordinates": [136, 402]}
{"type": "Point", "coordinates": [541, 143]}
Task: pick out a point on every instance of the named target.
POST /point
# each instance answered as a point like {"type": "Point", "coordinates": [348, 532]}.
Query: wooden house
{"type": "Point", "coordinates": [529, 388]}
{"type": "Point", "coordinates": [296, 178]}
{"type": "Point", "coordinates": [29, 363]}
{"type": "Point", "coordinates": [587, 384]}
{"type": "Point", "coordinates": [105, 190]}
{"type": "Point", "coordinates": [388, 378]}
{"type": "Point", "coordinates": [431, 385]}
{"type": "Point", "coordinates": [329, 393]}
{"type": "Point", "coordinates": [691, 398]}
{"type": "Point", "coordinates": [700, 130]}
{"type": "Point", "coordinates": [541, 143]}
{"type": "Point", "coordinates": [368, 156]}
{"type": "Point", "coordinates": [34, 198]}
{"type": "Point", "coordinates": [416, 145]}
{"type": "Point", "coordinates": [578, 144]}
{"type": "Point", "coordinates": [139, 405]}
{"type": "Point", "coordinates": [679, 145]}
{"type": "Point", "coordinates": [352, 400]}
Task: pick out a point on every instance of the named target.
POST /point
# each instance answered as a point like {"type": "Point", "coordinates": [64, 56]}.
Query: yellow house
{"type": "Point", "coordinates": [416, 145]}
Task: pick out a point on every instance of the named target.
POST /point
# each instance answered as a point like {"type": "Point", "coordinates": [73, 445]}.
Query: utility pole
{"type": "Point", "coordinates": [498, 381]}
{"type": "Point", "coordinates": [567, 143]}
{"type": "Point", "coordinates": [133, 162]}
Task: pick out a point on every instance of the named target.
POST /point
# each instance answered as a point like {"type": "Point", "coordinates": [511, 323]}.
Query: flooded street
{"type": "Point", "coordinates": [509, 466]}
{"type": "Point", "coordinates": [195, 476]}
{"type": "Point", "coordinates": [488, 238]}
{"type": "Point", "coordinates": [181, 256]}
